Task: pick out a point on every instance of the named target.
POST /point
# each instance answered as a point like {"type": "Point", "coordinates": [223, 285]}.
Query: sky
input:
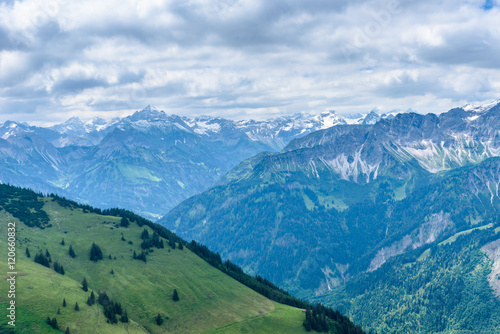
{"type": "Point", "coordinates": [244, 59]}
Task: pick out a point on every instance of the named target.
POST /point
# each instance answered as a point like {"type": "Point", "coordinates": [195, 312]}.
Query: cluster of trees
{"type": "Point", "coordinates": [43, 259]}
{"type": "Point", "coordinates": [141, 256]}
{"type": "Point", "coordinates": [58, 268]}
{"type": "Point", "coordinates": [325, 319]}
{"type": "Point", "coordinates": [153, 241]}
{"type": "Point", "coordinates": [52, 322]}
{"type": "Point", "coordinates": [112, 309]}
{"type": "Point", "coordinates": [25, 205]}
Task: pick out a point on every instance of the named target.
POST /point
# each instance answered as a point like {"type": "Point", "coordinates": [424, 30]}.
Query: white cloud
{"type": "Point", "coordinates": [241, 58]}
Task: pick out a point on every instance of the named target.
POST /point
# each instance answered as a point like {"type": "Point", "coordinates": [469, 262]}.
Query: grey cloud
{"type": "Point", "coordinates": [283, 54]}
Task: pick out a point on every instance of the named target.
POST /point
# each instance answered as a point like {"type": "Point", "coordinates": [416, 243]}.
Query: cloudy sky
{"type": "Point", "coordinates": [244, 58]}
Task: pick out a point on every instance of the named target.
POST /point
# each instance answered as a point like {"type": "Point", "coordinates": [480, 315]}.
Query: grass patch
{"type": "Point", "coordinates": [284, 319]}
{"type": "Point", "coordinates": [454, 237]}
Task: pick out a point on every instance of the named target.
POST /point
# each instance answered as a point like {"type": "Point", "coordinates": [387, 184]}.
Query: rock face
{"type": "Point", "coordinates": [351, 197]}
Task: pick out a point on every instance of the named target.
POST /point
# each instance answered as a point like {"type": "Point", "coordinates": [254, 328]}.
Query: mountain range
{"type": "Point", "coordinates": [147, 162]}
{"type": "Point", "coordinates": [354, 205]}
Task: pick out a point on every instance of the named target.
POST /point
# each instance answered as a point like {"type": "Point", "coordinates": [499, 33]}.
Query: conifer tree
{"type": "Point", "coordinates": [28, 252]}
{"type": "Point", "coordinates": [175, 296]}
{"type": "Point", "coordinates": [124, 222]}
{"type": "Point", "coordinates": [67, 331]}
{"type": "Point", "coordinates": [62, 242]}
{"type": "Point", "coordinates": [54, 323]}
{"type": "Point", "coordinates": [124, 317]}
{"type": "Point", "coordinates": [71, 252]}
{"type": "Point", "coordinates": [77, 308]}
{"type": "Point", "coordinates": [84, 285]}
{"type": "Point", "coordinates": [159, 320]}
{"type": "Point", "coordinates": [95, 253]}
{"type": "Point", "coordinates": [64, 302]}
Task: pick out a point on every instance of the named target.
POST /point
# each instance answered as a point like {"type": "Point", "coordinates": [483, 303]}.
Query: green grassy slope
{"type": "Point", "coordinates": [208, 298]}
{"type": "Point", "coordinates": [283, 317]}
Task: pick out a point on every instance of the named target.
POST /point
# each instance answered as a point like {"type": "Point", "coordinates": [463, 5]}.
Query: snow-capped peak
{"type": "Point", "coordinates": [481, 108]}
{"type": "Point", "coordinates": [372, 117]}
{"type": "Point", "coordinates": [148, 114]}
{"type": "Point", "coordinates": [329, 118]}
{"type": "Point", "coordinates": [72, 125]}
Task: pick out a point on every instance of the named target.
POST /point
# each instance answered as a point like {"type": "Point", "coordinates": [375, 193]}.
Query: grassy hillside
{"type": "Point", "coordinates": [208, 299]}
{"type": "Point", "coordinates": [282, 318]}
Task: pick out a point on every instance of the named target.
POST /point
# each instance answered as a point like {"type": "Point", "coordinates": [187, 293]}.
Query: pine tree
{"type": "Point", "coordinates": [124, 317]}
{"type": "Point", "coordinates": [64, 302]}
{"type": "Point", "coordinates": [58, 310]}
{"type": "Point", "coordinates": [112, 272]}
{"type": "Point", "coordinates": [171, 243]}
{"type": "Point", "coordinates": [123, 239]}
{"type": "Point", "coordinates": [67, 331]}
{"type": "Point", "coordinates": [175, 296]}
{"type": "Point", "coordinates": [62, 242]}
{"type": "Point", "coordinates": [145, 234]}
{"type": "Point", "coordinates": [54, 323]}
{"type": "Point", "coordinates": [95, 253]}
{"type": "Point", "coordinates": [71, 252]}
{"type": "Point", "coordinates": [28, 252]}
{"type": "Point", "coordinates": [159, 320]}
{"type": "Point", "coordinates": [124, 222]}
{"type": "Point", "coordinates": [181, 247]}
{"type": "Point", "coordinates": [118, 309]}
{"type": "Point", "coordinates": [77, 308]}
{"type": "Point", "coordinates": [84, 285]}
{"type": "Point", "coordinates": [47, 254]}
